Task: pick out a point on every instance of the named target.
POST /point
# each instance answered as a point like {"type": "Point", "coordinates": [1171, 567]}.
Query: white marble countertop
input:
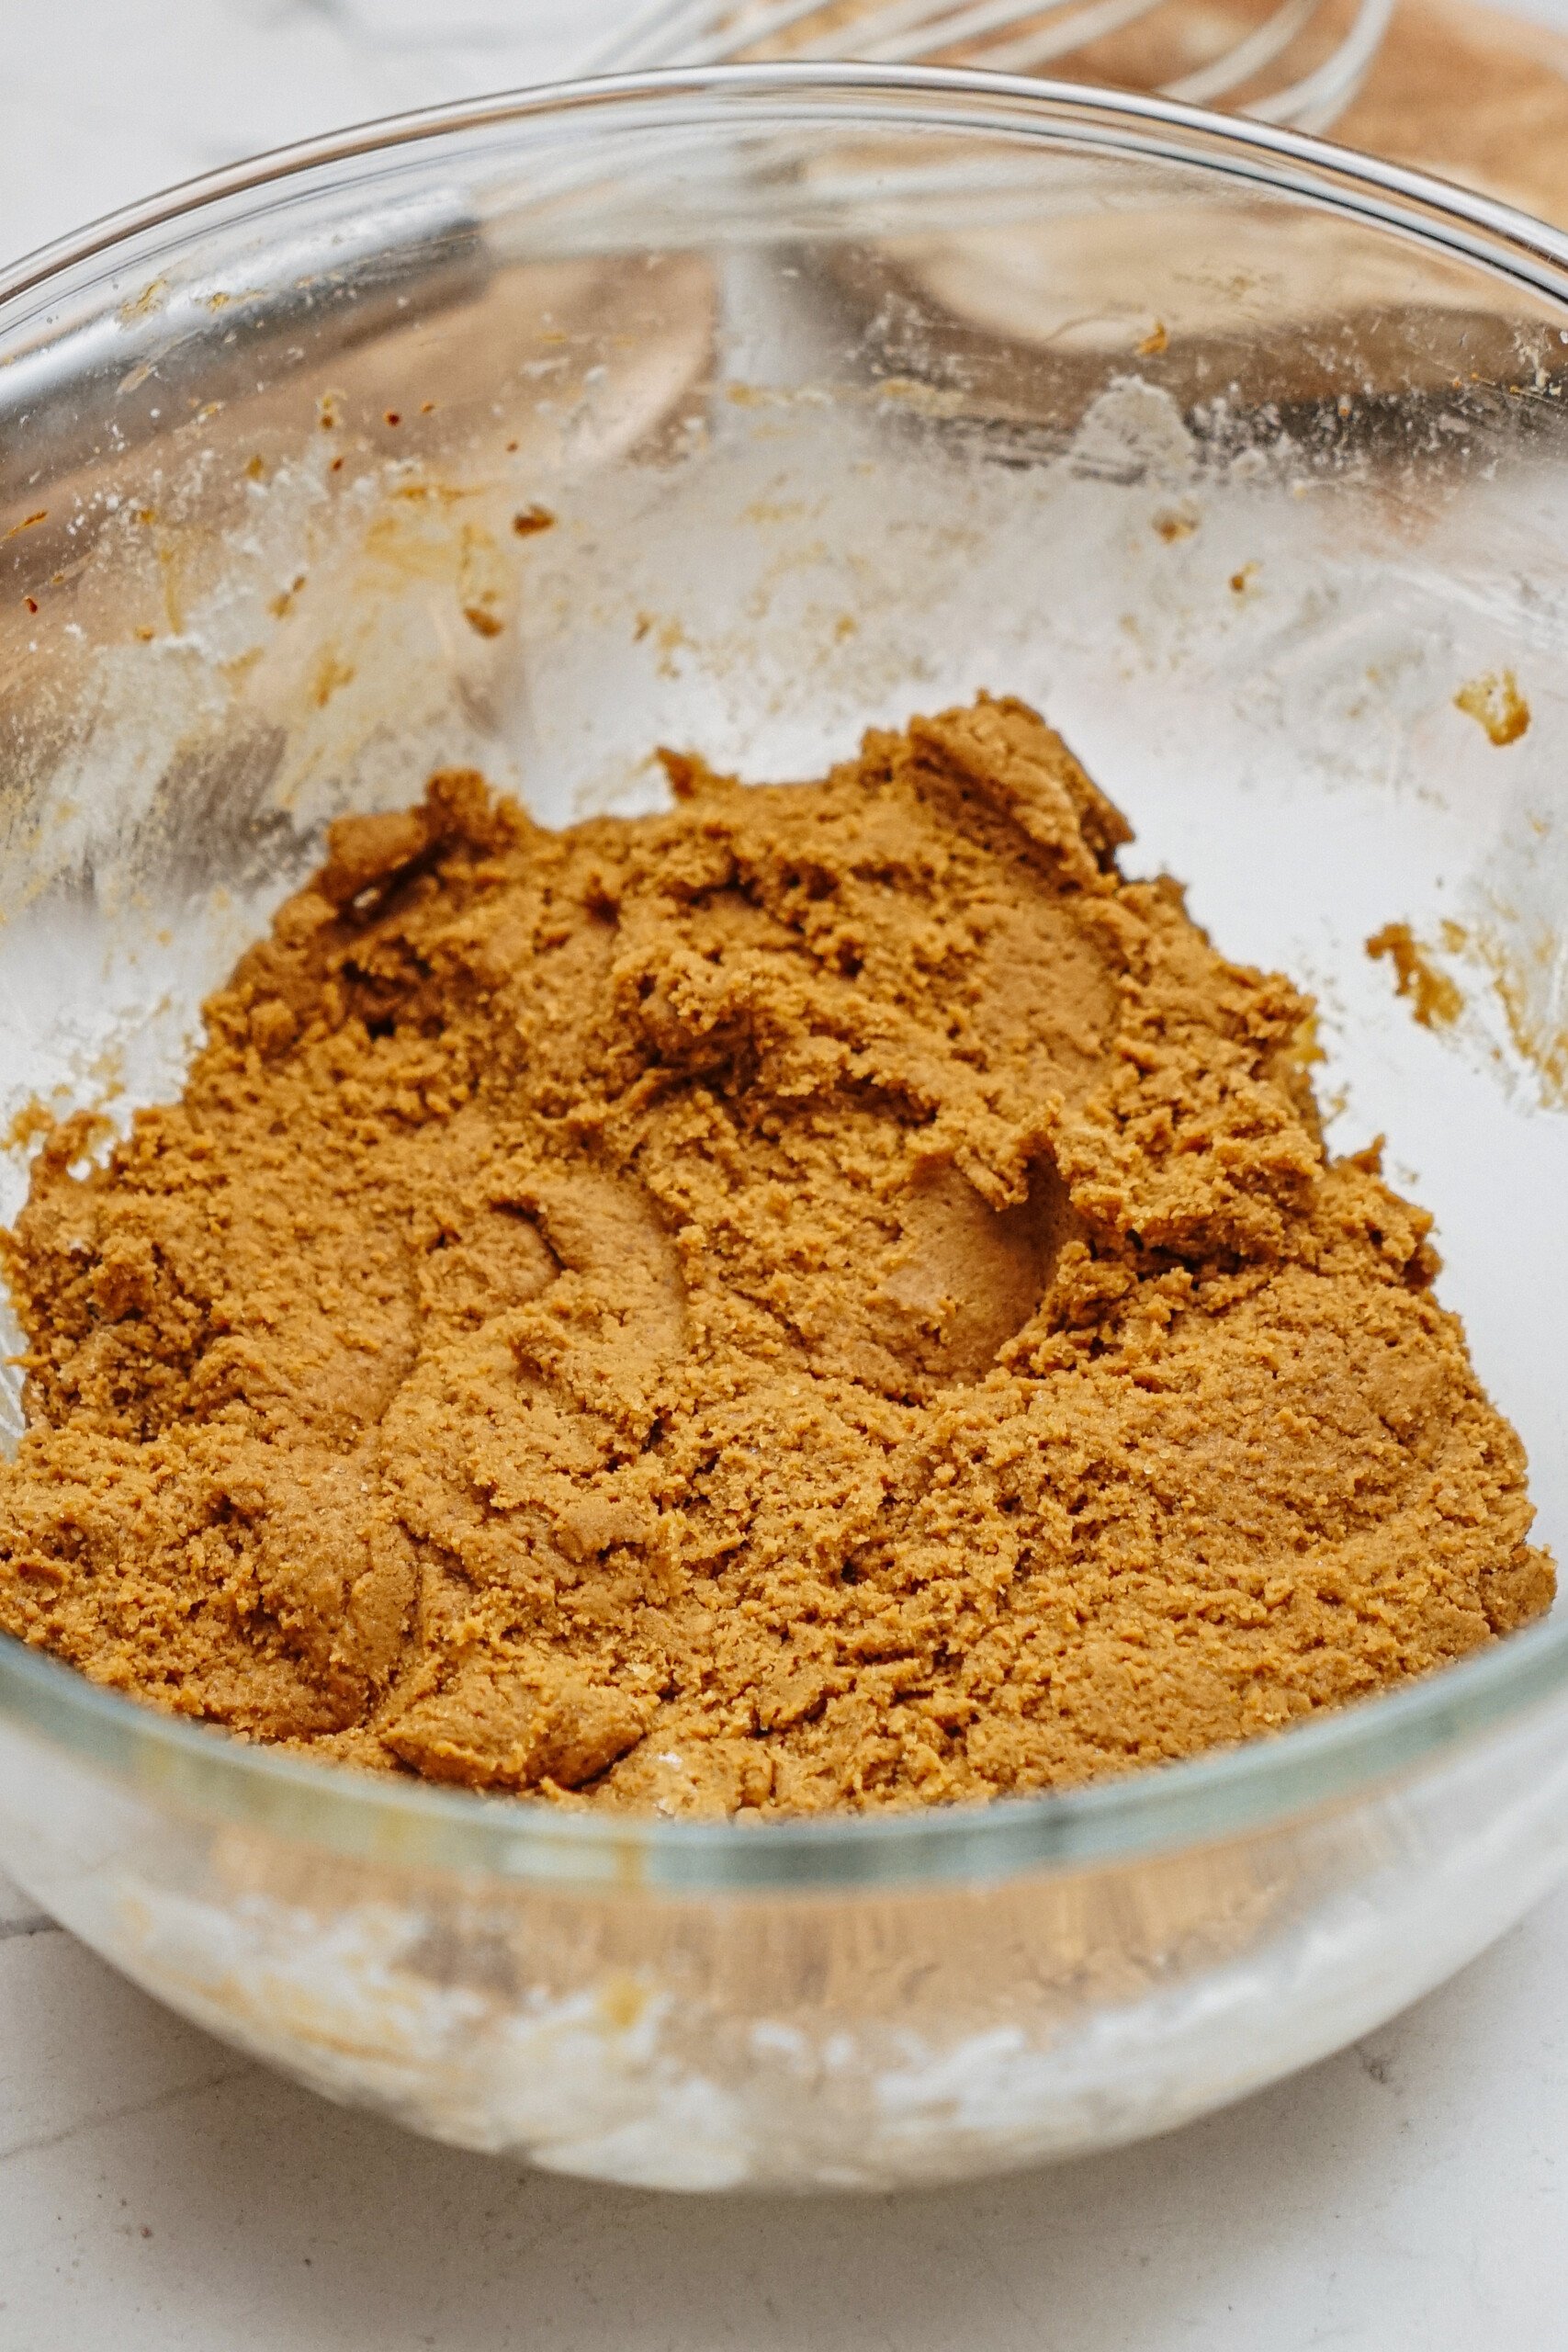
{"type": "Point", "coordinates": [160, 2194]}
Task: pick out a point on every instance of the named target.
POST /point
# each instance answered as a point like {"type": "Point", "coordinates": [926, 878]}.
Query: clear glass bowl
{"type": "Point", "coordinates": [847, 391]}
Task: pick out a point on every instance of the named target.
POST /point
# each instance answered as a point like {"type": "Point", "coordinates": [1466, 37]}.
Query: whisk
{"type": "Point", "coordinates": [1007, 37]}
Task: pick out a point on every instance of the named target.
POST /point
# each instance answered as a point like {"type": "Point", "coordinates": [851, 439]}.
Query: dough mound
{"type": "Point", "coordinates": [826, 1298]}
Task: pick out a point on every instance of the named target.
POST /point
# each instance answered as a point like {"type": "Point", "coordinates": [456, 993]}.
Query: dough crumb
{"type": "Point", "coordinates": [1436, 1001]}
{"type": "Point", "coordinates": [1497, 706]}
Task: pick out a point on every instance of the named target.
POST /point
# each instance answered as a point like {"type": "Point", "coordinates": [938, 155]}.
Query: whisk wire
{"type": "Point", "coordinates": [971, 22]}
{"type": "Point", "coordinates": [1249, 57]}
{"type": "Point", "coordinates": [712, 32]}
{"type": "Point", "coordinates": [1047, 43]}
{"type": "Point", "coordinates": [657, 35]}
{"type": "Point", "coordinates": [1322, 96]}
{"type": "Point", "coordinates": [898, 32]}
{"type": "Point", "coordinates": [735, 39]}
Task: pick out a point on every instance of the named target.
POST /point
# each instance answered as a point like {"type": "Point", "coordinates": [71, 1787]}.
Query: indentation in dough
{"type": "Point", "coordinates": [966, 1277]}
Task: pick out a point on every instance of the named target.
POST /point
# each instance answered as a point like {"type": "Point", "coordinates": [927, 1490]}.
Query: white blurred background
{"type": "Point", "coordinates": [103, 101]}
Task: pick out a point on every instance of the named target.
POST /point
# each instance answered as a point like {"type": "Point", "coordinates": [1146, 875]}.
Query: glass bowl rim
{"type": "Point", "coordinates": [1335, 1758]}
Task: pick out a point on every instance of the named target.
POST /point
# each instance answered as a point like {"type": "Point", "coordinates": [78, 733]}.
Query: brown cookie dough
{"type": "Point", "coordinates": [826, 1298]}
